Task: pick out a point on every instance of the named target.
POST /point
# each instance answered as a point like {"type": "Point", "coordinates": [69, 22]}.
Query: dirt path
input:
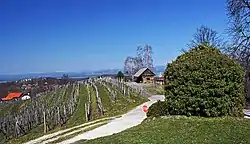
{"type": "Point", "coordinates": [73, 132]}
{"type": "Point", "coordinates": [247, 113]}
{"type": "Point", "coordinates": [49, 136]}
{"type": "Point", "coordinates": [131, 119]}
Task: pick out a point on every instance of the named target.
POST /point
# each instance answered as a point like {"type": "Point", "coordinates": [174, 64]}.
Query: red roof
{"type": "Point", "coordinates": [159, 78]}
{"type": "Point", "coordinates": [10, 96]}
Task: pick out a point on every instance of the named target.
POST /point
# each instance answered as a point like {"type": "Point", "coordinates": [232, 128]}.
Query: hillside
{"type": "Point", "coordinates": [71, 105]}
{"type": "Point", "coordinates": [31, 86]}
{"type": "Point", "coordinates": [174, 130]}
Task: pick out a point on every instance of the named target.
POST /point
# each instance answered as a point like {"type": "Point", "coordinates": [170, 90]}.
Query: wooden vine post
{"type": "Point", "coordinates": [44, 122]}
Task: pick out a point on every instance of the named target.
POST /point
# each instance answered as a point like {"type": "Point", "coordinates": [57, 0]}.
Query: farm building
{"type": "Point", "coordinates": [25, 97]}
{"type": "Point", "coordinates": [11, 96]}
{"type": "Point", "coordinates": [113, 76]}
{"type": "Point", "coordinates": [127, 78]}
{"type": "Point", "coordinates": [160, 79]}
{"type": "Point", "coordinates": [144, 75]}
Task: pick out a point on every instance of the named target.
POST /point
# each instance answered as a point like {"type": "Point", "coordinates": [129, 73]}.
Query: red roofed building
{"type": "Point", "coordinates": [13, 95]}
{"type": "Point", "coordinates": [160, 79]}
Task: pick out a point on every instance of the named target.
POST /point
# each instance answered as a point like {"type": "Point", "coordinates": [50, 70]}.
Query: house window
{"type": "Point", "coordinates": [148, 78]}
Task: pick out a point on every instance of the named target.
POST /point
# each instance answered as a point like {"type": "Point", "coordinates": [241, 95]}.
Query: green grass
{"type": "Point", "coordinates": [183, 131]}
{"type": "Point", "coordinates": [38, 131]}
{"type": "Point", "coordinates": [54, 98]}
{"type": "Point", "coordinates": [11, 108]}
{"type": "Point", "coordinates": [79, 116]}
{"type": "Point", "coordinates": [33, 133]}
{"type": "Point", "coordinates": [106, 100]}
{"type": "Point", "coordinates": [67, 94]}
{"type": "Point", "coordinates": [155, 89]}
{"type": "Point", "coordinates": [94, 107]}
{"type": "Point", "coordinates": [122, 105]}
{"type": "Point", "coordinates": [45, 97]}
{"type": "Point", "coordinates": [16, 106]}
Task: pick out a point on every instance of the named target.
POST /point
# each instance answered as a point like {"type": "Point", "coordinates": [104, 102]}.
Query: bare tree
{"type": "Point", "coordinates": [143, 59]}
{"type": "Point", "coordinates": [208, 36]}
{"type": "Point", "coordinates": [239, 30]}
{"type": "Point", "coordinates": [139, 58]}
{"type": "Point", "coordinates": [130, 65]}
{"type": "Point", "coordinates": [147, 57]}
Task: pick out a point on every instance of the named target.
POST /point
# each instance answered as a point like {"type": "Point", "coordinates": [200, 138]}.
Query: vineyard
{"type": "Point", "coordinates": [68, 105]}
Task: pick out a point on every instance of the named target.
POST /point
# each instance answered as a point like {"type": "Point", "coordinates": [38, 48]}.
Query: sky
{"type": "Point", "coordinates": [80, 35]}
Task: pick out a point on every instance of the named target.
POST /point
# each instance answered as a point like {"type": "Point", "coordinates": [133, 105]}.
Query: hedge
{"type": "Point", "coordinates": [203, 82]}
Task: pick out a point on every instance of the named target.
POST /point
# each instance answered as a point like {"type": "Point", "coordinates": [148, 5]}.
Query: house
{"type": "Point", "coordinates": [144, 75]}
{"type": "Point", "coordinates": [12, 96]}
{"type": "Point", "coordinates": [25, 97]}
{"type": "Point", "coordinates": [127, 78]}
{"type": "Point", "coordinates": [159, 79]}
{"type": "Point", "coordinates": [112, 76]}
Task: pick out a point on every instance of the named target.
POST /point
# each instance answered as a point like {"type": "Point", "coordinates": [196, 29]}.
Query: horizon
{"type": "Point", "coordinates": [48, 36]}
{"type": "Point", "coordinates": [68, 72]}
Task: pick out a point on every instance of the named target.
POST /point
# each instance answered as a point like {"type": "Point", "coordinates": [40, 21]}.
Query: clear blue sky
{"type": "Point", "coordinates": [78, 35]}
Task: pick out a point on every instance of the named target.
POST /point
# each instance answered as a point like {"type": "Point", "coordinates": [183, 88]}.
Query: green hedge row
{"type": "Point", "coordinates": [202, 82]}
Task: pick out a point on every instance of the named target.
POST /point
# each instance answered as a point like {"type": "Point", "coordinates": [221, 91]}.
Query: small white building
{"type": "Point", "coordinates": [25, 97]}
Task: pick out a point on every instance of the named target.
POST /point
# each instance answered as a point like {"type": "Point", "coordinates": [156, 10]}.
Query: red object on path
{"type": "Point", "coordinates": [145, 108]}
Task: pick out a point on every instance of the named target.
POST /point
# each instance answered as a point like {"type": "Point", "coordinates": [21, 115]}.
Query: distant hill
{"type": "Point", "coordinates": [14, 77]}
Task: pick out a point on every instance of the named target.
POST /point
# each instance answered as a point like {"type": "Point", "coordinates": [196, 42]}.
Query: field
{"type": "Point", "coordinates": [68, 106]}
{"type": "Point", "coordinates": [182, 130]}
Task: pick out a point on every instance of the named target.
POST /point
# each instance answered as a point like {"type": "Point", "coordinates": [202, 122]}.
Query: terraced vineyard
{"type": "Point", "coordinates": [68, 106]}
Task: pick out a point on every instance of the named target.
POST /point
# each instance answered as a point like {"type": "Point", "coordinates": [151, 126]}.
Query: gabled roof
{"type": "Point", "coordinates": [141, 71]}
{"type": "Point", "coordinates": [10, 96]}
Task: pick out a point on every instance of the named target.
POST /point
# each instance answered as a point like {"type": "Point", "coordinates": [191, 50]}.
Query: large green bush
{"type": "Point", "coordinates": [204, 82]}
{"type": "Point", "coordinates": [157, 109]}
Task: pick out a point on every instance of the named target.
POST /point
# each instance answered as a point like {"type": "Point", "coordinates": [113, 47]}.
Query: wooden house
{"type": "Point", "coordinates": [144, 75]}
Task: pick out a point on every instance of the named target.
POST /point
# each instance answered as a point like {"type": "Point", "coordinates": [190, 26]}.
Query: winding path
{"type": "Point", "coordinates": [55, 134]}
{"type": "Point", "coordinates": [131, 119]}
{"type": "Point", "coordinates": [246, 113]}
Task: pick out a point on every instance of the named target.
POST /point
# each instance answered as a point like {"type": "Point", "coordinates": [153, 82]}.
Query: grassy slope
{"type": "Point", "coordinates": [38, 131]}
{"type": "Point", "coordinates": [183, 130]}
{"type": "Point", "coordinates": [112, 108]}
{"type": "Point", "coordinates": [155, 89]}
{"type": "Point", "coordinates": [15, 106]}
{"type": "Point", "coordinates": [121, 106]}
{"type": "Point", "coordinates": [94, 108]}
{"type": "Point", "coordinates": [54, 98]}
{"type": "Point", "coordinates": [79, 115]}
{"type": "Point", "coordinates": [67, 95]}
{"type": "Point", "coordinates": [10, 108]}
{"type": "Point", "coordinates": [106, 101]}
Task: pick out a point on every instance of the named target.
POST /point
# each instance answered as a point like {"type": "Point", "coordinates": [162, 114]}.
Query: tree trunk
{"type": "Point", "coordinates": [247, 86]}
